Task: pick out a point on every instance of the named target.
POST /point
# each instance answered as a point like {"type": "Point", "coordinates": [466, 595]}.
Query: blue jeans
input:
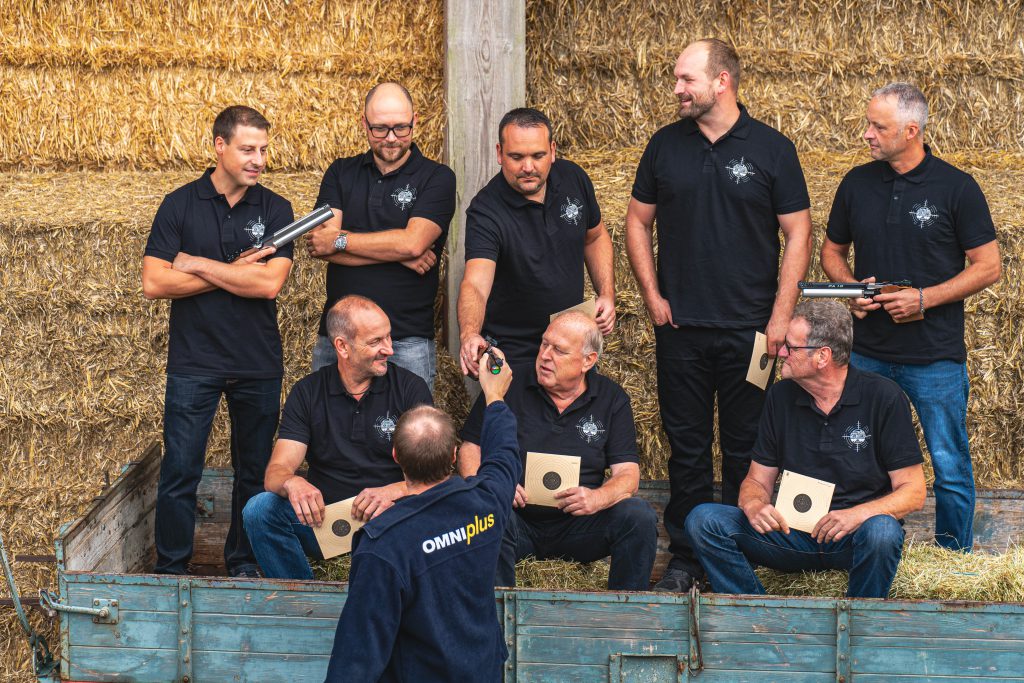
{"type": "Point", "coordinates": [281, 542]}
{"type": "Point", "coordinates": [939, 392]}
{"type": "Point", "coordinates": [190, 404]}
{"type": "Point", "coordinates": [628, 531]}
{"type": "Point", "coordinates": [415, 354]}
{"type": "Point", "coordinates": [727, 546]}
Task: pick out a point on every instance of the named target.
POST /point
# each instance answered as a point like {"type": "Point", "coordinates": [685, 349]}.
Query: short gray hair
{"type": "Point", "coordinates": [340, 316]}
{"type": "Point", "coordinates": [830, 324]}
{"type": "Point", "coordinates": [911, 104]}
{"type": "Point", "coordinates": [593, 340]}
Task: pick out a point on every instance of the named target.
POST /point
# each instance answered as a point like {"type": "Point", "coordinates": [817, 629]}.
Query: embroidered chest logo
{"type": "Point", "coordinates": [589, 429]}
{"type": "Point", "coordinates": [924, 214]}
{"type": "Point", "coordinates": [740, 171]}
{"type": "Point", "coordinates": [572, 211]}
{"type": "Point", "coordinates": [385, 426]}
{"type": "Point", "coordinates": [404, 197]}
{"type": "Point", "coordinates": [256, 230]}
{"type": "Point", "coordinates": [857, 437]}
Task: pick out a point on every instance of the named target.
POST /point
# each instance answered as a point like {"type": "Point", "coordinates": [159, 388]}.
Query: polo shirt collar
{"type": "Point", "coordinates": [740, 129]}
{"type": "Point", "coordinates": [851, 392]}
{"type": "Point", "coordinates": [588, 394]}
{"type": "Point", "coordinates": [915, 175]}
{"type": "Point", "coordinates": [517, 200]}
{"type": "Point", "coordinates": [206, 190]}
{"type": "Point", "coordinates": [408, 168]}
{"type": "Point", "coordinates": [335, 387]}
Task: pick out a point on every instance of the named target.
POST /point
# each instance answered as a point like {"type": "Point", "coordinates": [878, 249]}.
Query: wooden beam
{"type": "Point", "coordinates": [485, 76]}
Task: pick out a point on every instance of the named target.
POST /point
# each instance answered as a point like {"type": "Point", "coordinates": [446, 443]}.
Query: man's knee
{"type": "Point", "coordinates": [881, 533]}
{"type": "Point", "coordinates": [635, 515]}
{"type": "Point", "coordinates": [260, 509]}
{"type": "Point", "coordinates": [709, 519]}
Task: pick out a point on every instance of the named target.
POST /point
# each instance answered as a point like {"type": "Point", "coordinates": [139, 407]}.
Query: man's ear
{"type": "Point", "coordinates": [394, 455]}
{"type": "Point", "coordinates": [589, 360]}
{"type": "Point", "coordinates": [340, 347]}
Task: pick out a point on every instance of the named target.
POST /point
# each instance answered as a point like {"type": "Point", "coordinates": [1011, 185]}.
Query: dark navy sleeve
{"type": "Point", "coordinates": [645, 185]}
{"type": "Point", "coordinates": [369, 622]}
{"type": "Point", "coordinates": [766, 446]}
{"type": "Point", "coordinates": [973, 219]}
{"type": "Point", "coordinates": [897, 442]}
{"type": "Point", "coordinates": [281, 215]}
{"type": "Point", "coordinates": [474, 423]}
{"type": "Point", "coordinates": [590, 197]}
{"type": "Point", "coordinates": [296, 416]}
{"type": "Point", "coordinates": [500, 467]}
{"type": "Point", "coordinates": [621, 444]}
{"type": "Point", "coordinates": [838, 229]}
{"type": "Point", "coordinates": [436, 200]}
{"type": "Point", "coordinates": [483, 236]}
{"type": "Point", "coordinates": [330, 188]}
{"type": "Point", "coordinates": [165, 236]}
{"type": "Point", "coordinates": [789, 189]}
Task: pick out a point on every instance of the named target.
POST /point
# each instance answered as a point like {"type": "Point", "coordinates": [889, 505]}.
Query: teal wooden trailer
{"type": "Point", "coordinates": [118, 624]}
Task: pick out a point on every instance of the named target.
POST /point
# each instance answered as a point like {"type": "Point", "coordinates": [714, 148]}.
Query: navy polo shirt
{"type": "Point", "coordinates": [349, 441]}
{"type": "Point", "coordinates": [372, 202]}
{"type": "Point", "coordinates": [598, 427]}
{"type": "Point", "coordinates": [717, 207]}
{"type": "Point", "coordinates": [538, 254]}
{"type": "Point", "coordinates": [916, 226]}
{"type": "Point", "coordinates": [867, 434]}
{"type": "Point", "coordinates": [219, 334]}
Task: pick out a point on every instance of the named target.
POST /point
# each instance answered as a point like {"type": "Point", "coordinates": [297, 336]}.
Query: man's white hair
{"type": "Point", "coordinates": [911, 104]}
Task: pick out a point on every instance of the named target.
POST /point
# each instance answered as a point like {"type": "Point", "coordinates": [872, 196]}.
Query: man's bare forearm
{"type": "Point", "coordinates": [599, 258]}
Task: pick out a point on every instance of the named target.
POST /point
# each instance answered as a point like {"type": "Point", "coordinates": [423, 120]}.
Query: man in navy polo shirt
{"type": "Point", "coordinates": [340, 420]}
{"type": "Point", "coordinates": [564, 406]}
{"type": "Point", "coordinates": [392, 207]}
{"type": "Point", "coordinates": [830, 421]}
{"type": "Point", "coordinates": [420, 603]}
{"type": "Point", "coordinates": [529, 232]}
{"type": "Point", "coordinates": [223, 331]}
{"type": "Point", "coordinates": [911, 216]}
{"type": "Point", "coordinates": [720, 184]}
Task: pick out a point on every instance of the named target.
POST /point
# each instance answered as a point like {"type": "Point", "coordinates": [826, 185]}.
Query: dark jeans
{"type": "Point", "coordinates": [728, 545]}
{"type": "Point", "coordinates": [189, 408]}
{"type": "Point", "coordinates": [281, 542]}
{"type": "Point", "coordinates": [628, 531]}
{"type": "Point", "coordinates": [695, 364]}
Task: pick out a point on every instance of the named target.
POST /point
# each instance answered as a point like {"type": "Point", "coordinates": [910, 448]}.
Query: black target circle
{"type": "Point", "coordinates": [764, 360]}
{"type": "Point", "coordinates": [552, 480]}
{"type": "Point", "coordinates": [341, 528]}
{"type": "Point", "coordinates": [802, 503]}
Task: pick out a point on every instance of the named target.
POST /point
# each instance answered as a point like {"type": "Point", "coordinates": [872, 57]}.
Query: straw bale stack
{"type": "Point", "coordinates": [808, 65]}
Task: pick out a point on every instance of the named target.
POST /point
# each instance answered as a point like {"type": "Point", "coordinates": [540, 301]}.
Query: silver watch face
{"type": "Point", "coordinates": [341, 242]}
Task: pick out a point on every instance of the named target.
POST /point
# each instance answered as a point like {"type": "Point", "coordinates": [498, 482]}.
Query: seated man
{"type": "Point", "coordinates": [830, 421]}
{"type": "Point", "coordinates": [420, 604]}
{"type": "Point", "coordinates": [565, 407]}
{"type": "Point", "coordinates": [340, 420]}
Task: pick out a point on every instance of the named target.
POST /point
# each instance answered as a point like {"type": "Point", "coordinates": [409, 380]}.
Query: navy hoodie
{"type": "Point", "coordinates": [420, 601]}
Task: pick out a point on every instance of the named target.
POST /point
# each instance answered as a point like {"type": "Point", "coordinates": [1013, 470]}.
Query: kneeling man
{"type": "Point", "coordinates": [340, 420]}
{"type": "Point", "coordinates": [565, 407]}
{"type": "Point", "coordinates": [833, 422]}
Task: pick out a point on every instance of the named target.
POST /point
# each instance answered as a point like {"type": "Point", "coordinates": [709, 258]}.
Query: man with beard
{"type": "Point", "coordinates": [720, 184]}
{"type": "Point", "coordinates": [223, 332]}
{"type": "Point", "coordinates": [392, 207]}
{"type": "Point", "coordinates": [912, 216]}
{"type": "Point", "coordinates": [529, 232]}
{"type": "Point", "coordinates": [340, 420]}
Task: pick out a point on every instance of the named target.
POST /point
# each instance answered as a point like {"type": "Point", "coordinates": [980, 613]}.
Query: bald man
{"type": "Point", "coordinates": [563, 406]}
{"type": "Point", "coordinates": [392, 207]}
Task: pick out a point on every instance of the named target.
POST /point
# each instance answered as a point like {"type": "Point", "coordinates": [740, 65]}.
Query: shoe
{"type": "Point", "coordinates": [247, 573]}
{"type": "Point", "coordinates": [675, 580]}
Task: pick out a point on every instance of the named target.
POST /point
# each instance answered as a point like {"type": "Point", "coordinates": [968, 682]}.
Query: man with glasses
{"type": "Point", "coordinates": [224, 337]}
{"type": "Point", "coordinates": [339, 420]}
{"type": "Point", "coordinates": [827, 420]}
{"type": "Point", "coordinates": [912, 216]}
{"type": "Point", "coordinates": [722, 185]}
{"type": "Point", "coordinates": [392, 207]}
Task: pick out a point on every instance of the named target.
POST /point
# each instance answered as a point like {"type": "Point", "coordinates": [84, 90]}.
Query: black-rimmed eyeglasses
{"type": "Point", "coordinates": [380, 131]}
{"type": "Point", "coordinates": [790, 348]}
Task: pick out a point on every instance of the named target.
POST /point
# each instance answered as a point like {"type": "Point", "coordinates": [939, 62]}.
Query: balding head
{"type": "Point", "coordinates": [569, 348]}
{"type": "Point", "coordinates": [582, 326]}
{"type": "Point", "coordinates": [425, 445]}
{"type": "Point", "coordinates": [344, 316]}
{"type": "Point", "coordinates": [389, 121]}
{"type": "Point", "coordinates": [388, 95]}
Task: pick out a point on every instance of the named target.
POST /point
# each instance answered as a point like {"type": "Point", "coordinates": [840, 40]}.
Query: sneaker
{"type": "Point", "coordinates": [675, 580]}
{"type": "Point", "coordinates": [247, 573]}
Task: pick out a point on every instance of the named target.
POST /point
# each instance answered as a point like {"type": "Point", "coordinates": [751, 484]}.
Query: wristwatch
{"type": "Point", "coordinates": [341, 241]}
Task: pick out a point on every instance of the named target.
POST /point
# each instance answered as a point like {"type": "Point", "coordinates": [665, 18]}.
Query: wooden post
{"type": "Point", "coordinates": [485, 76]}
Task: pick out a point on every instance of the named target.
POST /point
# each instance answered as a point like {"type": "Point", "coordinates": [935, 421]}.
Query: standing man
{"type": "Point", "coordinates": [912, 216]}
{"type": "Point", "coordinates": [223, 332]}
{"type": "Point", "coordinates": [529, 232]}
{"type": "Point", "coordinates": [420, 603]}
{"type": "Point", "coordinates": [392, 207]}
{"type": "Point", "coordinates": [720, 184]}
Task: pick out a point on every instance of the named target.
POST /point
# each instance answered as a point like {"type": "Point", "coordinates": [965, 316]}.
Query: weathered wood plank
{"type": "Point", "coordinates": [991, 621]}
{"type": "Point", "coordinates": [937, 678]}
{"type": "Point", "coordinates": [767, 656]}
{"type": "Point", "coordinates": [134, 630]}
{"type": "Point", "coordinates": [926, 642]}
{"type": "Point", "coordinates": [983, 663]}
{"type": "Point", "coordinates": [136, 666]}
{"type": "Point", "coordinates": [288, 599]}
{"type": "Point", "coordinates": [485, 76]}
{"type": "Point", "coordinates": [281, 635]}
{"type": "Point", "coordinates": [750, 675]}
{"type": "Point", "coordinates": [573, 629]}
{"type": "Point", "coordinates": [133, 596]}
{"type": "Point", "coordinates": [752, 619]}
{"type": "Point", "coordinates": [248, 667]}
{"type": "Point", "coordinates": [602, 615]}
{"type": "Point", "coordinates": [530, 672]}
{"type": "Point", "coordinates": [586, 649]}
